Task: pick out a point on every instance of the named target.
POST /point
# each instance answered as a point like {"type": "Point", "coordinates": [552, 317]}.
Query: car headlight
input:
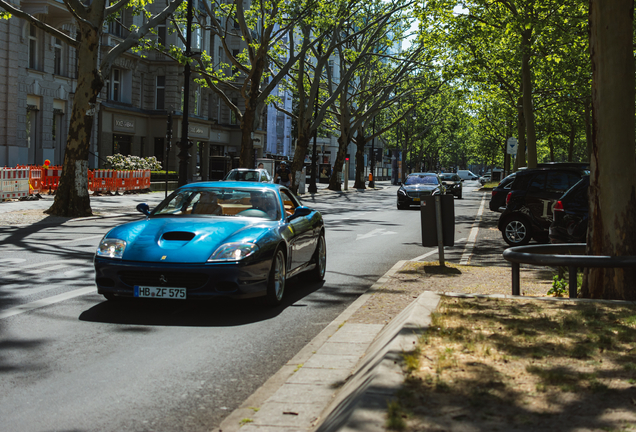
{"type": "Point", "coordinates": [233, 252]}
{"type": "Point", "coordinates": [401, 192]}
{"type": "Point", "coordinates": [111, 248]}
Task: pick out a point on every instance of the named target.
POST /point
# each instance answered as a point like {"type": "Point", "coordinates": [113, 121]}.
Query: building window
{"type": "Point", "coordinates": [33, 47]}
{"type": "Point", "coordinates": [160, 93]}
{"type": "Point", "coordinates": [113, 87]}
{"type": "Point", "coordinates": [161, 34]}
{"type": "Point", "coordinates": [197, 101]}
{"type": "Point", "coordinates": [58, 143]}
{"type": "Point", "coordinates": [159, 149]}
{"type": "Point", "coordinates": [233, 119]}
{"type": "Point", "coordinates": [122, 144]}
{"type": "Point", "coordinates": [57, 58]}
{"type": "Point", "coordinates": [114, 27]}
{"type": "Point", "coordinates": [235, 54]}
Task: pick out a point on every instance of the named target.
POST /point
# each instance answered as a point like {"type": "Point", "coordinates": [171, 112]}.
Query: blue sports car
{"type": "Point", "coordinates": [212, 239]}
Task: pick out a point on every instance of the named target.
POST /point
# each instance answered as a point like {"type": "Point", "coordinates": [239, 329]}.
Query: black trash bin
{"type": "Point", "coordinates": [428, 217]}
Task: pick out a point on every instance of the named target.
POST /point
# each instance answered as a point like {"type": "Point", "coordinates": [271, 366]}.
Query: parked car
{"type": "Point", "coordinates": [533, 193]}
{"type": "Point", "coordinates": [484, 179]}
{"type": "Point", "coordinates": [571, 214]}
{"type": "Point", "coordinates": [453, 184]}
{"type": "Point", "coordinates": [499, 193]}
{"type": "Point", "coordinates": [416, 186]}
{"type": "Point", "coordinates": [211, 239]}
{"type": "Point", "coordinates": [467, 175]}
{"type": "Point", "coordinates": [247, 174]}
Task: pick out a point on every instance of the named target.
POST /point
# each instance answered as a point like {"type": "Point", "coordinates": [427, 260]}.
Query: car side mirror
{"type": "Point", "coordinates": [300, 211]}
{"type": "Point", "coordinates": [143, 208]}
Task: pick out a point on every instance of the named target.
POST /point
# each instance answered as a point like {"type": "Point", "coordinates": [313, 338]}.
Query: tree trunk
{"type": "Point", "coordinates": [571, 143]}
{"type": "Point", "coordinates": [361, 142]}
{"type": "Point", "coordinates": [588, 130]}
{"type": "Point", "coordinates": [302, 146]}
{"type": "Point", "coordinates": [612, 230]}
{"type": "Point", "coordinates": [343, 141]}
{"type": "Point", "coordinates": [72, 199]}
{"type": "Point", "coordinates": [247, 144]}
{"type": "Point", "coordinates": [528, 109]}
{"type": "Point", "coordinates": [520, 160]}
{"type": "Point", "coordinates": [551, 147]}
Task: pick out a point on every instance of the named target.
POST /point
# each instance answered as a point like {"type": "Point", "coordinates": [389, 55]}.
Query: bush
{"type": "Point", "coordinates": [128, 163]}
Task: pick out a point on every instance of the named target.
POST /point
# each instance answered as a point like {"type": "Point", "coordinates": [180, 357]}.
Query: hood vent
{"type": "Point", "coordinates": [178, 236]}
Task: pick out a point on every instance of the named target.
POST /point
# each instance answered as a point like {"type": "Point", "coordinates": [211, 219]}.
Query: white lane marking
{"type": "Point", "coordinates": [80, 239]}
{"type": "Point", "coordinates": [66, 263]}
{"type": "Point", "coordinates": [433, 252]}
{"type": "Point", "coordinates": [472, 237]}
{"type": "Point", "coordinates": [27, 307]}
{"type": "Point", "coordinates": [12, 260]}
{"type": "Point", "coordinates": [375, 232]}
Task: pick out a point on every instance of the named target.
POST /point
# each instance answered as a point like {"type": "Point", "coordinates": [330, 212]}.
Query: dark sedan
{"type": "Point", "coordinates": [571, 214]}
{"type": "Point", "coordinates": [210, 239]}
{"type": "Point", "coordinates": [416, 186]}
{"type": "Point", "coordinates": [500, 192]}
{"type": "Point", "coordinates": [453, 184]}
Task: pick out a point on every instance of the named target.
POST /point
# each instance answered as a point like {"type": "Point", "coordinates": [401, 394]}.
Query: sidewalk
{"type": "Point", "coordinates": [342, 380]}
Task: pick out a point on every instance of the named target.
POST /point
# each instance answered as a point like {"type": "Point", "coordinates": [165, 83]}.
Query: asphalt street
{"type": "Point", "coordinates": [72, 361]}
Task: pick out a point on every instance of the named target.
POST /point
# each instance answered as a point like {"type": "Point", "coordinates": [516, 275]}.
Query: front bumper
{"type": "Point", "coordinates": [202, 281]}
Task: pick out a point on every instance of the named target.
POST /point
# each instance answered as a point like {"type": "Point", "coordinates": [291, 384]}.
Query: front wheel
{"type": "Point", "coordinates": [276, 280]}
{"type": "Point", "coordinates": [320, 259]}
{"type": "Point", "coordinates": [401, 206]}
{"type": "Point", "coordinates": [459, 196]}
{"type": "Point", "coordinates": [517, 232]}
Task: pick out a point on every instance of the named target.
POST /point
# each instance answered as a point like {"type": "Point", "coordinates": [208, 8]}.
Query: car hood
{"type": "Point", "coordinates": [186, 240]}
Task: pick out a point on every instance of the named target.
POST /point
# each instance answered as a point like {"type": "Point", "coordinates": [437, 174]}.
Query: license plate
{"type": "Point", "coordinates": [416, 199]}
{"type": "Point", "coordinates": [160, 292]}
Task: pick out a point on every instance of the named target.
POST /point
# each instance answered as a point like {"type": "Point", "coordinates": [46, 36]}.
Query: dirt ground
{"type": "Point", "coordinates": [521, 364]}
{"type": "Point", "coordinates": [415, 277]}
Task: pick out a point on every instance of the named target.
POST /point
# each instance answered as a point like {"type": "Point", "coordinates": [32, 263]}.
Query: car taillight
{"type": "Point", "coordinates": [558, 206]}
{"type": "Point", "coordinates": [494, 192]}
{"type": "Point", "coordinates": [508, 197]}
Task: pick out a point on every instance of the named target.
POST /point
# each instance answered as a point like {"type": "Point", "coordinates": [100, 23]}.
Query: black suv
{"type": "Point", "coordinates": [529, 204]}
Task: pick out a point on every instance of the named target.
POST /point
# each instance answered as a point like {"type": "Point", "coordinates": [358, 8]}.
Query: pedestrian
{"type": "Point", "coordinates": [283, 175]}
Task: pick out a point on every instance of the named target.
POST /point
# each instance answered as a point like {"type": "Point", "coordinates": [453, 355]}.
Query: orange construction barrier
{"type": "Point", "coordinates": [51, 178]}
{"type": "Point", "coordinates": [36, 175]}
{"type": "Point", "coordinates": [102, 180]}
{"type": "Point", "coordinates": [146, 179]}
{"type": "Point", "coordinates": [136, 180]}
{"type": "Point", "coordinates": [14, 183]}
{"type": "Point", "coordinates": [122, 181]}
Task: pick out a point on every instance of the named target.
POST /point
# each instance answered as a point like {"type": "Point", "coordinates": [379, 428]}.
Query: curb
{"type": "Point", "coordinates": [232, 423]}
{"type": "Point", "coordinates": [362, 403]}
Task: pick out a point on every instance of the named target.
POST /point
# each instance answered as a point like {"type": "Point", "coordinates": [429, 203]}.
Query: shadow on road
{"type": "Point", "coordinates": [221, 312]}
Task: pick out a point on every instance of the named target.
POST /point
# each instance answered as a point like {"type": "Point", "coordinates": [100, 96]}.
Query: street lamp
{"type": "Point", "coordinates": [185, 144]}
{"type": "Point", "coordinates": [372, 178]}
{"type": "Point", "coordinates": [312, 180]}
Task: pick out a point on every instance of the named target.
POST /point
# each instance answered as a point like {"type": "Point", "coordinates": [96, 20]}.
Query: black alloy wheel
{"type": "Point", "coordinates": [276, 280]}
{"type": "Point", "coordinates": [517, 231]}
{"type": "Point", "coordinates": [320, 259]}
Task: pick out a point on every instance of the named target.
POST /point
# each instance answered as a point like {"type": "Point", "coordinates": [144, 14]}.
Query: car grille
{"type": "Point", "coordinates": [418, 194]}
{"type": "Point", "coordinates": [169, 279]}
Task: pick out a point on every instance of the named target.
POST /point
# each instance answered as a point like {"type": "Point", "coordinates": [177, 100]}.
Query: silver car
{"type": "Point", "coordinates": [249, 174]}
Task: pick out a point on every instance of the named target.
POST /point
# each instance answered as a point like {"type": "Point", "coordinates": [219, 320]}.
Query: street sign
{"type": "Point", "coordinates": [511, 146]}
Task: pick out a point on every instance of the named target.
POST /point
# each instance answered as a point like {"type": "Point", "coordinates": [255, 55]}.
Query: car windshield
{"type": "Point", "coordinates": [447, 176]}
{"type": "Point", "coordinates": [218, 201]}
{"type": "Point", "coordinates": [243, 175]}
{"type": "Point", "coordinates": [421, 179]}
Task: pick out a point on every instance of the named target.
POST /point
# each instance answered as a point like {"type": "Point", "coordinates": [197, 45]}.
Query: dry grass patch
{"type": "Point", "coordinates": [520, 364]}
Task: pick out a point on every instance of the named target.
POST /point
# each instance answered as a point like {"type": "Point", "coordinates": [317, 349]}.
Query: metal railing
{"type": "Point", "coordinates": [571, 255]}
